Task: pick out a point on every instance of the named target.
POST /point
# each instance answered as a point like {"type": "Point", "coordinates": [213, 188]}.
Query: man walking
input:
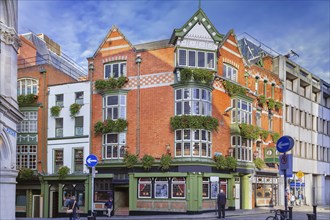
{"type": "Point", "coordinates": [221, 204]}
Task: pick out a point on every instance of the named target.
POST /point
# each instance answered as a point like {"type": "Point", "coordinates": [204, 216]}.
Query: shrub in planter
{"type": "Point", "coordinates": [63, 172]}
{"type": "Point", "coordinates": [147, 161]}
{"type": "Point", "coordinates": [259, 163]}
{"type": "Point", "coordinates": [264, 134]}
{"type": "Point", "coordinates": [249, 131]}
{"type": "Point", "coordinates": [27, 99]}
{"type": "Point", "coordinates": [110, 126]}
{"type": "Point", "coordinates": [55, 111]}
{"type": "Point", "coordinates": [271, 104]}
{"type": "Point", "coordinates": [220, 162]}
{"type": "Point", "coordinates": [233, 89]}
{"type": "Point", "coordinates": [194, 122]}
{"type": "Point", "coordinates": [278, 105]}
{"type": "Point", "coordinates": [74, 109]}
{"type": "Point", "coordinates": [165, 162]}
{"type": "Point", "coordinates": [231, 162]}
{"type": "Point", "coordinates": [111, 83]}
{"type": "Point", "coordinates": [275, 136]}
{"type": "Point", "coordinates": [25, 174]}
{"type": "Point", "coordinates": [262, 100]}
{"type": "Point", "coordinates": [130, 160]}
{"type": "Point", "coordinates": [100, 84]}
{"type": "Point", "coordinates": [185, 74]}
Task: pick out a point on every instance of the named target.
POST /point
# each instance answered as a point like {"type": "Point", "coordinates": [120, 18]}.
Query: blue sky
{"type": "Point", "coordinates": [80, 26]}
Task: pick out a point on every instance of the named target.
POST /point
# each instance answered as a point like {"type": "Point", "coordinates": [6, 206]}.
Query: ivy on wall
{"type": "Point", "coordinates": [194, 122]}
{"type": "Point", "coordinates": [233, 89]}
{"type": "Point", "coordinates": [222, 162]}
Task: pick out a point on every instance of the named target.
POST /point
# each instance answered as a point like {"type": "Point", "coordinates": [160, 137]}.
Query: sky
{"type": "Point", "coordinates": [80, 26]}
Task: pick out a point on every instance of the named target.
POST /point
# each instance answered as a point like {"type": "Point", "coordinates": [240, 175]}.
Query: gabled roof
{"type": "Point", "coordinates": [114, 28]}
{"type": "Point", "coordinates": [200, 17]}
{"type": "Point", "coordinates": [152, 45]}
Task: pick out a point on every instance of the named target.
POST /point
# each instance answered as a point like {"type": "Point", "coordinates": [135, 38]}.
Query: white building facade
{"type": "Point", "coordinates": [9, 114]}
{"type": "Point", "coordinates": [306, 113]}
{"type": "Point", "coordinates": [68, 133]}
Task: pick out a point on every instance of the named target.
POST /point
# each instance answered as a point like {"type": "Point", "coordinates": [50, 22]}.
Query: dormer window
{"type": "Point", "coordinates": [195, 58]}
{"type": "Point", "coordinates": [115, 70]}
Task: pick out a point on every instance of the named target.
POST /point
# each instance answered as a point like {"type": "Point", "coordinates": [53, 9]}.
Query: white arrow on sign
{"type": "Point", "coordinates": [280, 145]}
{"type": "Point", "coordinates": [89, 160]}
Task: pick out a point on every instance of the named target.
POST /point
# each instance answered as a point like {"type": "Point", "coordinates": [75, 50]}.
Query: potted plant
{"type": "Point", "coordinates": [55, 111]}
{"type": "Point", "coordinates": [130, 160]}
{"type": "Point", "coordinates": [74, 109]}
{"type": "Point", "coordinates": [147, 161]}
{"type": "Point", "coordinates": [165, 162]}
{"type": "Point", "coordinates": [259, 163]}
{"type": "Point", "coordinates": [63, 172]}
{"type": "Point", "coordinates": [262, 100]}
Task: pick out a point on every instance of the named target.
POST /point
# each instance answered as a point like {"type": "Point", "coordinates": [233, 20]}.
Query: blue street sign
{"type": "Point", "coordinates": [286, 165]}
{"type": "Point", "coordinates": [298, 184]}
{"type": "Point", "coordinates": [284, 144]}
{"type": "Point", "coordinates": [91, 160]}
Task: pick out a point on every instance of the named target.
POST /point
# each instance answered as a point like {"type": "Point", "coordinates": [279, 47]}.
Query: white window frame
{"type": "Point", "coordinates": [246, 151]}
{"type": "Point", "coordinates": [74, 159]}
{"type": "Point", "coordinates": [144, 182]}
{"type": "Point", "coordinates": [161, 182]}
{"type": "Point", "coordinates": [186, 63]}
{"type": "Point", "coordinates": [79, 100]}
{"type": "Point", "coordinates": [59, 103]}
{"type": "Point", "coordinates": [59, 130]}
{"type": "Point", "coordinates": [122, 70]}
{"type": "Point", "coordinates": [81, 129]}
{"type": "Point", "coordinates": [240, 114]}
{"type": "Point", "coordinates": [28, 153]}
{"type": "Point", "coordinates": [120, 106]}
{"type": "Point", "coordinates": [206, 182]}
{"type": "Point", "coordinates": [175, 181]}
{"type": "Point", "coordinates": [23, 86]}
{"type": "Point", "coordinates": [233, 72]}
{"type": "Point", "coordinates": [120, 144]}
{"type": "Point", "coordinates": [29, 123]}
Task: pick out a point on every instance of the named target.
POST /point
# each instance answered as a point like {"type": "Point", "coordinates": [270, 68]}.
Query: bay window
{"type": "Point", "coordinates": [27, 86]}
{"type": "Point", "coordinates": [196, 58]}
{"type": "Point", "coordinates": [242, 148]}
{"type": "Point", "coordinates": [114, 145]}
{"type": "Point", "coordinates": [26, 156]}
{"type": "Point", "coordinates": [242, 112]}
{"type": "Point", "coordinates": [114, 107]}
{"type": "Point", "coordinates": [115, 70]}
{"type": "Point", "coordinates": [29, 123]}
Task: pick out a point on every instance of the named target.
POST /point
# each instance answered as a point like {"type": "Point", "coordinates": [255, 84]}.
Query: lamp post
{"type": "Point", "coordinates": [91, 69]}
{"type": "Point", "coordinates": [138, 61]}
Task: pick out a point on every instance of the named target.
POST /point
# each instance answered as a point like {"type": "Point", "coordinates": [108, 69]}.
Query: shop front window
{"type": "Point", "coordinates": [145, 187]}
{"type": "Point", "coordinates": [102, 190]}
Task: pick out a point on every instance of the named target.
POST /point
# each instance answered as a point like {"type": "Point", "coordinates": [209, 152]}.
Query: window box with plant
{"type": "Point", "coordinates": [271, 104]}
{"type": "Point", "coordinates": [74, 109]}
{"type": "Point", "coordinates": [63, 172]}
{"type": "Point", "coordinates": [165, 162]}
{"type": "Point", "coordinates": [130, 160]}
{"type": "Point", "coordinates": [262, 101]}
{"type": "Point", "coordinates": [233, 89]}
{"type": "Point", "coordinates": [259, 163]}
{"type": "Point", "coordinates": [24, 100]}
{"type": "Point", "coordinates": [147, 161]}
{"type": "Point", "coordinates": [109, 126]}
{"type": "Point", "coordinates": [194, 122]}
{"type": "Point", "coordinates": [278, 106]}
{"type": "Point", "coordinates": [110, 84]}
{"type": "Point", "coordinates": [222, 162]}
{"type": "Point", "coordinates": [196, 75]}
{"type": "Point", "coordinates": [55, 111]}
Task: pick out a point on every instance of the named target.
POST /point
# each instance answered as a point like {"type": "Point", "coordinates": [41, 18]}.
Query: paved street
{"type": "Point", "coordinates": [323, 213]}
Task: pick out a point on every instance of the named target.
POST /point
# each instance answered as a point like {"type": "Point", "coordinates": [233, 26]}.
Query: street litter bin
{"type": "Point", "coordinates": [311, 216]}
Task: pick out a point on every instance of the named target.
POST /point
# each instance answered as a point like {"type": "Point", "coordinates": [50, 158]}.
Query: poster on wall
{"type": "Point", "coordinates": [161, 191]}
{"type": "Point", "coordinates": [214, 189]}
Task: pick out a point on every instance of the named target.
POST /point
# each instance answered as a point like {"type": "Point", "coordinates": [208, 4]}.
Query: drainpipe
{"type": "Point", "coordinates": [91, 69]}
{"type": "Point", "coordinates": [138, 61]}
{"type": "Point", "coordinates": [43, 71]}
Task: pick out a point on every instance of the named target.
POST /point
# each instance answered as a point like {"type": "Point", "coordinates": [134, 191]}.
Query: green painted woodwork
{"type": "Point", "coordinates": [166, 174]}
{"type": "Point", "coordinates": [33, 140]}
{"type": "Point", "coordinates": [245, 198]}
{"type": "Point", "coordinates": [133, 186]}
{"type": "Point", "coordinates": [230, 188]}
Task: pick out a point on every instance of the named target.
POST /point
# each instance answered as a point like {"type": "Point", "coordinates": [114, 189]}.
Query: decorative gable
{"type": "Point", "coordinates": [198, 38]}
{"type": "Point", "coordinates": [113, 43]}
{"type": "Point", "coordinates": [199, 25]}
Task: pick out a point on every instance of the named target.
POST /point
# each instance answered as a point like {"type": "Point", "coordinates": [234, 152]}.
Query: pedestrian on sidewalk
{"type": "Point", "coordinates": [109, 205]}
{"type": "Point", "coordinates": [292, 199]}
{"type": "Point", "coordinates": [221, 200]}
{"type": "Point", "coordinates": [300, 198]}
{"type": "Point", "coordinates": [73, 206]}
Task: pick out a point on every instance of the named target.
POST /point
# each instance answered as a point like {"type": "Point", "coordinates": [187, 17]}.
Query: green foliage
{"type": "Point", "coordinates": [198, 75]}
{"type": "Point", "coordinates": [271, 104]}
{"type": "Point", "coordinates": [110, 84]}
{"type": "Point", "coordinates": [109, 126]}
{"type": "Point", "coordinates": [233, 89]}
{"type": "Point", "coordinates": [222, 162]}
{"type": "Point", "coordinates": [278, 105]}
{"type": "Point", "coordinates": [275, 136]}
{"type": "Point", "coordinates": [130, 160]}
{"type": "Point", "coordinates": [165, 162]}
{"type": "Point", "coordinates": [249, 131]}
{"type": "Point", "coordinates": [27, 99]}
{"type": "Point", "coordinates": [194, 122]}
{"type": "Point", "coordinates": [55, 110]}
{"type": "Point", "coordinates": [259, 163]}
{"type": "Point", "coordinates": [264, 134]}
{"type": "Point", "coordinates": [63, 172]}
{"type": "Point", "coordinates": [262, 100]}
{"type": "Point", "coordinates": [147, 161]}
{"type": "Point", "coordinates": [74, 109]}
{"type": "Point", "coordinates": [231, 162]}
{"type": "Point", "coordinates": [25, 174]}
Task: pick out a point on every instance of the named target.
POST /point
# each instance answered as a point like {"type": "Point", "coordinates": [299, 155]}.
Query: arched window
{"type": "Point", "coordinates": [178, 187]}
{"type": "Point", "coordinates": [145, 187]}
{"type": "Point", "coordinates": [27, 86]}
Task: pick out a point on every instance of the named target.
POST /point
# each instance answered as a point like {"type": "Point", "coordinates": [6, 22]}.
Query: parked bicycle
{"type": "Point", "coordinates": [279, 215]}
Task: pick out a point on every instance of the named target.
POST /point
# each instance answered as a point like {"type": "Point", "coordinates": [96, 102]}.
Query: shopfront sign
{"type": "Point", "coordinates": [270, 155]}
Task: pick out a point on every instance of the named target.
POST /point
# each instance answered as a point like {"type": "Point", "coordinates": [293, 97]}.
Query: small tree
{"type": "Point", "coordinates": [220, 162]}
{"type": "Point", "coordinates": [25, 174]}
{"type": "Point", "coordinates": [259, 163]}
{"type": "Point", "coordinates": [63, 172]}
{"type": "Point", "coordinates": [165, 162]}
{"type": "Point", "coordinates": [231, 162]}
{"type": "Point", "coordinates": [130, 160]}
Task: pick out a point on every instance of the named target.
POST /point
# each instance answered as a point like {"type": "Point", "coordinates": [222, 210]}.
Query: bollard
{"type": "Point", "coordinates": [311, 217]}
{"type": "Point", "coordinates": [290, 213]}
{"type": "Point", "coordinates": [314, 211]}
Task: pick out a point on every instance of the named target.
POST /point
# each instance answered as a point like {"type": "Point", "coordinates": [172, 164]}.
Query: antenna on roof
{"type": "Point", "coordinates": [199, 4]}
{"type": "Point", "coordinates": [291, 54]}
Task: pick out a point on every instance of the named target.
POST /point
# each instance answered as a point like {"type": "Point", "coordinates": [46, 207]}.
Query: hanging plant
{"type": "Point", "coordinates": [110, 84]}
{"type": "Point", "coordinates": [196, 74]}
{"type": "Point", "coordinates": [249, 131]}
{"type": "Point", "coordinates": [147, 161]}
{"type": "Point", "coordinates": [63, 172]}
{"type": "Point", "coordinates": [231, 162]}
{"type": "Point", "coordinates": [275, 136]}
{"type": "Point", "coordinates": [74, 109]}
{"type": "Point", "coordinates": [194, 122]}
{"type": "Point", "coordinates": [233, 89]}
{"type": "Point", "coordinates": [264, 134]}
{"type": "Point", "coordinates": [220, 162]}
{"type": "Point", "coordinates": [27, 99]}
{"type": "Point", "coordinates": [278, 105]}
{"type": "Point", "coordinates": [130, 160]}
{"type": "Point", "coordinates": [165, 162]}
{"type": "Point", "coordinates": [271, 104]}
{"type": "Point", "coordinates": [55, 111]}
{"type": "Point", "coordinates": [262, 100]}
{"type": "Point", "coordinates": [109, 126]}
{"type": "Point", "coordinates": [259, 163]}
